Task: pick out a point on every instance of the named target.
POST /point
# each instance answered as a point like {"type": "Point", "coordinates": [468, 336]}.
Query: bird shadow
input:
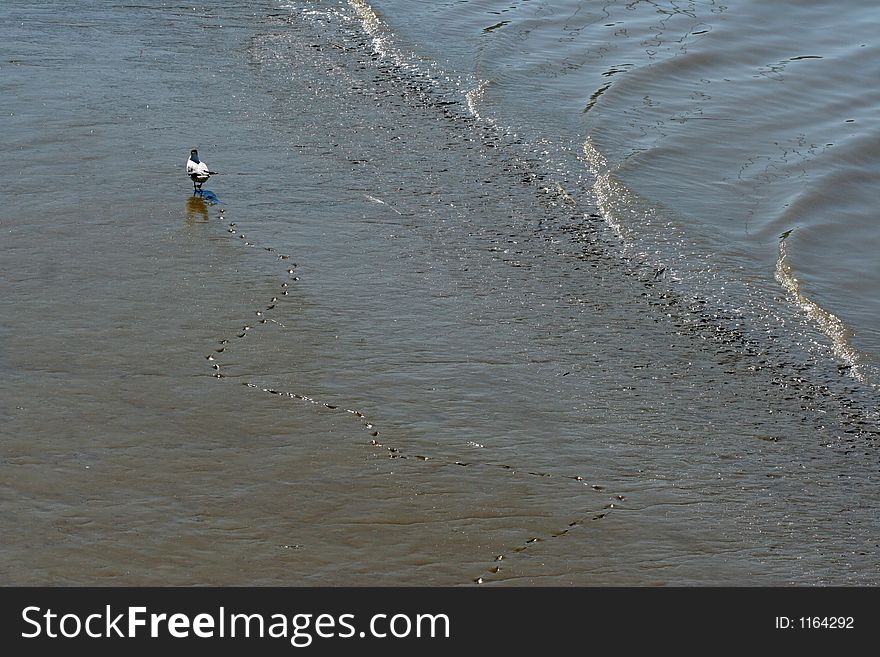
{"type": "Point", "coordinates": [207, 196]}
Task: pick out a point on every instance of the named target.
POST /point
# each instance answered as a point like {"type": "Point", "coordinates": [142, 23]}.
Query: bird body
{"type": "Point", "coordinates": [197, 170]}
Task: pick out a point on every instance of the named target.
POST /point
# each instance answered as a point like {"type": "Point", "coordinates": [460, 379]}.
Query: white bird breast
{"type": "Point", "coordinates": [197, 170]}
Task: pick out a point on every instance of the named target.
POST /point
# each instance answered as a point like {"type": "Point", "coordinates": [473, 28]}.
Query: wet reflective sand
{"type": "Point", "coordinates": [407, 352]}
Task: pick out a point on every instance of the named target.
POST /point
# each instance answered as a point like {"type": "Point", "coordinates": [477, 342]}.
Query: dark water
{"type": "Point", "coordinates": [724, 125]}
{"type": "Point", "coordinates": [419, 333]}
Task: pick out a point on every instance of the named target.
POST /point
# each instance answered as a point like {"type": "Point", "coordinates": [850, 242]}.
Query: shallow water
{"type": "Point", "coordinates": [733, 122]}
{"type": "Point", "coordinates": [410, 341]}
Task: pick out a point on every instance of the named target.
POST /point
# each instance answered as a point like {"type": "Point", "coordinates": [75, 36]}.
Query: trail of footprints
{"type": "Point", "coordinates": [689, 315]}
{"type": "Point", "coordinates": [393, 452]}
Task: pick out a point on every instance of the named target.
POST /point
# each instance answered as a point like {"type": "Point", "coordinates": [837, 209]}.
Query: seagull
{"type": "Point", "coordinates": [197, 171]}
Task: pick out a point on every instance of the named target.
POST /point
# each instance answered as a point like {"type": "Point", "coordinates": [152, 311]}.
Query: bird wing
{"type": "Point", "coordinates": [199, 168]}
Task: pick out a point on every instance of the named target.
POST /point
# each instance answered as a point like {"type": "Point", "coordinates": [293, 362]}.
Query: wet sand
{"type": "Point", "coordinates": [465, 365]}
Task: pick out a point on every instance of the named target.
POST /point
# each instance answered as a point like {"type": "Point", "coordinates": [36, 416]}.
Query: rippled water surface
{"type": "Point", "coordinates": [494, 293]}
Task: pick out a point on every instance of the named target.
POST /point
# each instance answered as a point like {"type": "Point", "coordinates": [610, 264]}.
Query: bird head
{"type": "Point", "coordinates": [194, 155]}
